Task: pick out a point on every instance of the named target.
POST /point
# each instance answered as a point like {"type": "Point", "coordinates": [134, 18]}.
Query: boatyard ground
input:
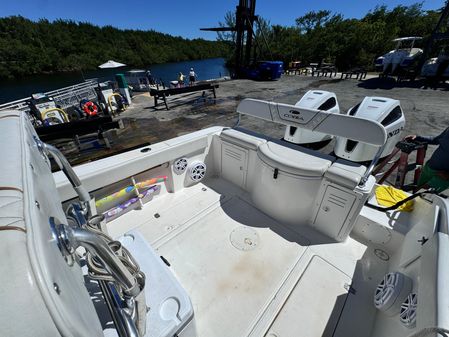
{"type": "Point", "coordinates": [426, 109]}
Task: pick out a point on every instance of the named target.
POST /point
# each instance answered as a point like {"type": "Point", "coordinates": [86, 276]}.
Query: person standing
{"type": "Point", "coordinates": [181, 80]}
{"type": "Point", "coordinates": [435, 172]}
{"type": "Point", "coordinates": [192, 77]}
{"type": "Point", "coordinates": [150, 77]}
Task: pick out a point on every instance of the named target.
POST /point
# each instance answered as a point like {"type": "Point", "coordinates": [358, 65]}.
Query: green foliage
{"type": "Point", "coordinates": [28, 47]}
{"type": "Point", "coordinates": [229, 22]}
{"type": "Point", "coordinates": [312, 20]}
{"type": "Point", "coordinates": [348, 43]}
{"type": "Point", "coordinates": [352, 43]}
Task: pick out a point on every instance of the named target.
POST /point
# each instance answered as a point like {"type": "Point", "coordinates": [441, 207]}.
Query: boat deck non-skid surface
{"type": "Point", "coordinates": [246, 274]}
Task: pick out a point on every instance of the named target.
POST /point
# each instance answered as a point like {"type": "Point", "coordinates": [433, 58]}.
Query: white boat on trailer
{"type": "Point", "coordinates": [256, 238]}
{"type": "Point", "coordinates": [404, 56]}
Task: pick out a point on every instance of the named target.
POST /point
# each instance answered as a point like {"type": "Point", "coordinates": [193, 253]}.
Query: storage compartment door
{"type": "Point", "coordinates": [234, 163]}
{"type": "Point", "coordinates": [333, 211]}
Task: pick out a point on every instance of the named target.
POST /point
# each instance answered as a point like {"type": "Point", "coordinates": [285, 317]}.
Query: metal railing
{"type": "Point", "coordinates": [65, 97]}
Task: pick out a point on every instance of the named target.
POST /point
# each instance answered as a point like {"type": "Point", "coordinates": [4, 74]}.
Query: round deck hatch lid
{"type": "Point", "coordinates": [244, 238]}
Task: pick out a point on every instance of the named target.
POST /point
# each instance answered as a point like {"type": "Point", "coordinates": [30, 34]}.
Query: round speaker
{"type": "Point", "coordinates": [180, 165]}
{"type": "Point", "coordinates": [391, 292]}
{"type": "Point", "coordinates": [197, 171]}
{"type": "Point", "coordinates": [408, 310]}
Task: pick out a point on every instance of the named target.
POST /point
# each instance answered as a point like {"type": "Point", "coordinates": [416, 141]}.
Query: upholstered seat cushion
{"type": "Point", "coordinates": [293, 161]}
{"type": "Point", "coordinates": [345, 173]}
{"type": "Point", "coordinates": [242, 138]}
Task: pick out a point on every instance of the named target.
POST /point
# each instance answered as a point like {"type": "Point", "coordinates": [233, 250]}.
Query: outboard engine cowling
{"type": "Point", "coordinates": [386, 111]}
{"type": "Point", "coordinates": [313, 99]}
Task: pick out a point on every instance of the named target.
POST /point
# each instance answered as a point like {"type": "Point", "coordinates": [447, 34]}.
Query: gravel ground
{"type": "Point", "coordinates": [426, 110]}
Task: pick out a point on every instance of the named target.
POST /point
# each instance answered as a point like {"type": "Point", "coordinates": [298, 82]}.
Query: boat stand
{"type": "Point", "coordinates": [402, 165]}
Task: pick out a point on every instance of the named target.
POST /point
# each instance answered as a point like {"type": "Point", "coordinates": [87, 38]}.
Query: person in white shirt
{"type": "Point", "coordinates": [192, 77]}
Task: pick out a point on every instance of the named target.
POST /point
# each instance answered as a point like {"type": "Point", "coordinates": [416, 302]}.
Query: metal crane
{"type": "Point", "coordinates": [245, 53]}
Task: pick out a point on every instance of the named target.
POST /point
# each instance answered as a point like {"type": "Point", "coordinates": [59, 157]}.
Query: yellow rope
{"type": "Point", "coordinates": [110, 100]}
{"type": "Point", "coordinates": [64, 114]}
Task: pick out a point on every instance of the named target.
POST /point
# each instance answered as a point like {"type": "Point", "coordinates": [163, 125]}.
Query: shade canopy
{"type": "Point", "coordinates": [111, 64]}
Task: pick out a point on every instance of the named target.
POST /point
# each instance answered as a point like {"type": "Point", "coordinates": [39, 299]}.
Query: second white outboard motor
{"type": "Point", "coordinates": [313, 99]}
{"type": "Point", "coordinates": [386, 111]}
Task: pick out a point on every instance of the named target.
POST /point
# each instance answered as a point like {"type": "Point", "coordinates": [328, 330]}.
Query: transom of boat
{"type": "Point", "coordinates": [263, 239]}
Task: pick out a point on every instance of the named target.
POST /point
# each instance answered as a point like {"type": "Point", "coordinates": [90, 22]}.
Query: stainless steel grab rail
{"type": "Point", "coordinates": [65, 166]}
{"type": "Point", "coordinates": [71, 238]}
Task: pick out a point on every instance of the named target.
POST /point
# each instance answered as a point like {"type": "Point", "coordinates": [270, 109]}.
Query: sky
{"type": "Point", "coordinates": [184, 17]}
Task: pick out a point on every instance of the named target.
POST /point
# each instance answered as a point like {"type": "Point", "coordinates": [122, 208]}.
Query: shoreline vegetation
{"type": "Point", "coordinates": [44, 47]}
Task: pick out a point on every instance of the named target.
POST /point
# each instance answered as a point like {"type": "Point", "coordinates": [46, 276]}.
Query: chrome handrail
{"type": "Point", "coordinates": [65, 166]}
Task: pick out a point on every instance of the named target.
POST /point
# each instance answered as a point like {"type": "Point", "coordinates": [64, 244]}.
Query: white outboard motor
{"type": "Point", "coordinates": [386, 111]}
{"type": "Point", "coordinates": [313, 99]}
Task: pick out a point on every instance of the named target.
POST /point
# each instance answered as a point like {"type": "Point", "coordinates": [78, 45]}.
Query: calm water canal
{"type": "Point", "coordinates": [11, 90]}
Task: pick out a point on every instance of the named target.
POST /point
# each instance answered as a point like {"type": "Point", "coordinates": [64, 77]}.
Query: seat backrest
{"type": "Point", "coordinates": [42, 294]}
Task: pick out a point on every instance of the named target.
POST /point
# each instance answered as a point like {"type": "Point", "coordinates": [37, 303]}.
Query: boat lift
{"type": "Point", "coordinates": [246, 64]}
{"type": "Point", "coordinates": [244, 28]}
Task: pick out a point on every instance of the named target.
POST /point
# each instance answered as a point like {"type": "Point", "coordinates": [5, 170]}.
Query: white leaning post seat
{"type": "Point", "coordinates": [293, 161]}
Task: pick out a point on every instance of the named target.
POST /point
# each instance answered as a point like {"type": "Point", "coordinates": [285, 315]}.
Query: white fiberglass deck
{"type": "Point", "coordinates": [246, 274]}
